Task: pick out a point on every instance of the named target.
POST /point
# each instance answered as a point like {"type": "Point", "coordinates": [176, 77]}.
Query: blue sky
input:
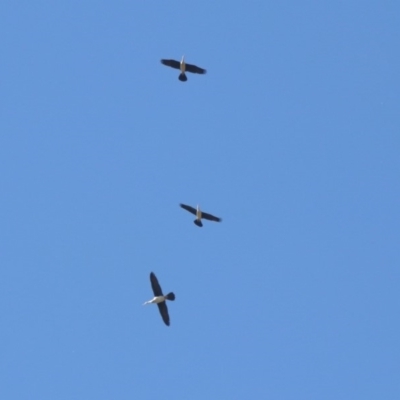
{"type": "Point", "coordinates": [292, 138]}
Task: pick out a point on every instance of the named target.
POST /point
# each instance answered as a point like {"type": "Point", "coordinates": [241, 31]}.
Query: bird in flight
{"type": "Point", "coordinates": [160, 299]}
{"type": "Point", "coordinates": [200, 215]}
{"type": "Point", "coordinates": [183, 67]}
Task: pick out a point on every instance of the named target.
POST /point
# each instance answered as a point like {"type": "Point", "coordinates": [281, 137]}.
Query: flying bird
{"type": "Point", "coordinates": [160, 299]}
{"type": "Point", "coordinates": [200, 215]}
{"type": "Point", "coordinates": [183, 67]}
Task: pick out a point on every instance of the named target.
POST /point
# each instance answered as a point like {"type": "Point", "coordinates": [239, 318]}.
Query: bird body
{"type": "Point", "coordinates": [155, 300]}
{"type": "Point", "coordinates": [198, 212]}
{"type": "Point", "coordinates": [183, 67]}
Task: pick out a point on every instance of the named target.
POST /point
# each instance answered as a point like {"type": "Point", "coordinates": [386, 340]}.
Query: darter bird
{"type": "Point", "coordinates": [160, 299]}
{"type": "Point", "coordinates": [183, 67]}
{"type": "Point", "coordinates": [200, 215]}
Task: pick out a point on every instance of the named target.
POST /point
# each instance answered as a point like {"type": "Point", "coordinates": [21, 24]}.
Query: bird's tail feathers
{"type": "Point", "coordinates": [182, 77]}
{"type": "Point", "coordinates": [170, 296]}
{"type": "Point", "coordinates": [198, 222]}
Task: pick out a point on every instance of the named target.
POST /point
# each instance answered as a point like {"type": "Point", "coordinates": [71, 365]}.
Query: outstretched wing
{"type": "Point", "coordinates": [155, 285]}
{"type": "Point", "coordinates": [188, 208]}
{"type": "Point", "coordinates": [162, 307]}
{"type": "Point", "coordinates": [171, 63]}
{"type": "Point", "coordinates": [210, 217]}
{"type": "Point", "coordinates": [194, 69]}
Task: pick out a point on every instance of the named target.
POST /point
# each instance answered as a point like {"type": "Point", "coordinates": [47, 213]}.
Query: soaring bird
{"type": "Point", "coordinates": [160, 299]}
{"type": "Point", "coordinates": [200, 214]}
{"type": "Point", "coordinates": [183, 67]}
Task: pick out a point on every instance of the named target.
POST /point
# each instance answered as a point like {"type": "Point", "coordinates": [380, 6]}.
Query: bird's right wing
{"type": "Point", "coordinates": [195, 69]}
{"type": "Point", "coordinates": [155, 285]}
{"type": "Point", "coordinates": [210, 217]}
{"type": "Point", "coordinates": [162, 307]}
{"type": "Point", "coordinates": [188, 208]}
{"type": "Point", "coordinates": [171, 63]}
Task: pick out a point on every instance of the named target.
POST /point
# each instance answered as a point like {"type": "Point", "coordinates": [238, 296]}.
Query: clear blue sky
{"type": "Point", "coordinates": [292, 137]}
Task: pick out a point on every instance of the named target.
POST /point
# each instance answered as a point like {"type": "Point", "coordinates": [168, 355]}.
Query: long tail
{"type": "Point", "coordinates": [182, 77]}
{"type": "Point", "coordinates": [198, 222]}
{"type": "Point", "coordinates": [170, 296]}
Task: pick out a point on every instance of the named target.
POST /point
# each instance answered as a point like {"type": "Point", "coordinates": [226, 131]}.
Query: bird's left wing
{"type": "Point", "coordinates": [194, 69]}
{"type": "Point", "coordinates": [210, 217]}
{"type": "Point", "coordinates": [162, 307]}
{"type": "Point", "coordinates": [155, 285]}
{"type": "Point", "coordinates": [171, 63]}
{"type": "Point", "coordinates": [188, 208]}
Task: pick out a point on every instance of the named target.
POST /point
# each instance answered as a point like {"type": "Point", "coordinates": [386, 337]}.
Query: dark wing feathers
{"type": "Point", "coordinates": [194, 69]}
{"type": "Point", "coordinates": [162, 307]}
{"type": "Point", "coordinates": [210, 217]}
{"type": "Point", "coordinates": [155, 285]}
{"type": "Point", "coordinates": [171, 63]}
{"type": "Point", "coordinates": [188, 208]}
